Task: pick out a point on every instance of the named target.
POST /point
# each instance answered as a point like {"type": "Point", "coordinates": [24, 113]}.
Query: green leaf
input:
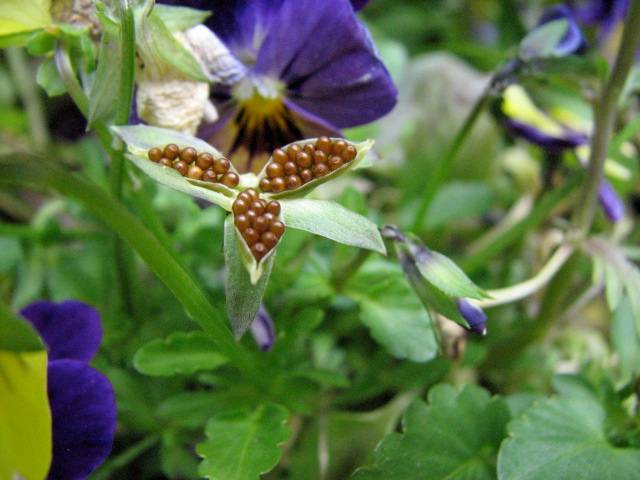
{"type": "Point", "coordinates": [456, 436]}
{"type": "Point", "coordinates": [542, 41]}
{"type": "Point", "coordinates": [19, 16]}
{"type": "Point", "coordinates": [103, 98]}
{"type": "Point", "coordinates": [458, 201]}
{"type": "Point", "coordinates": [246, 281]}
{"type": "Point", "coordinates": [41, 42]}
{"type": "Point", "coordinates": [48, 78]}
{"type": "Point", "coordinates": [16, 335]}
{"type": "Point", "coordinates": [334, 222]}
{"type": "Point", "coordinates": [25, 418]}
{"type": "Point", "coordinates": [625, 338]}
{"type": "Point", "coordinates": [180, 18]}
{"type": "Point", "coordinates": [242, 445]}
{"type": "Point", "coordinates": [180, 353]}
{"type": "Point", "coordinates": [564, 439]}
{"type": "Point", "coordinates": [392, 312]}
{"type": "Point", "coordinates": [193, 409]}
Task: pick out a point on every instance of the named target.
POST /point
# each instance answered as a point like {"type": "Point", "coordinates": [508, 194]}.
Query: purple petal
{"type": "Point", "coordinates": [83, 411]}
{"type": "Point", "coordinates": [476, 318]}
{"type": "Point", "coordinates": [263, 330]}
{"type": "Point", "coordinates": [71, 329]}
{"type": "Point", "coordinates": [359, 4]}
{"type": "Point", "coordinates": [610, 202]}
{"type": "Point", "coordinates": [573, 41]}
{"type": "Point", "coordinates": [552, 144]}
{"type": "Point", "coordinates": [606, 13]}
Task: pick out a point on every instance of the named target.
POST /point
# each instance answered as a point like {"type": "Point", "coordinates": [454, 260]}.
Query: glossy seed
{"type": "Point", "coordinates": [250, 236]}
{"type": "Point", "coordinates": [241, 221]}
{"type": "Point", "coordinates": [259, 250]}
{"type": "Point", "coordinates": [277, 228]}
{"type": "Point", "coordinates": [309, 149]}
{"type": "Point", "coordinates": [166, 162]}
{"type": "Point", "coordinates": [293, 182]}
{"type": "Point", "coordinates": [273, 207]}
{"type": "Point", "coordinates": [278, 184]}
{"type": "Point", "coordinates": [253, 193]}
{"type": "Point", "coordinates": [293, 151]}
{"type": "Point", "coordinates": [269, 217]}
{"type": "Point", "coordinates": [221, 165]}
{"type": "Point", "coordinates": [279, 156]}
{"type": "Point", "coordinates": [188, 155]}
{"type": "Point", "coordinates": [269, 239]}
{"type": "Point", "coordinates": [275, 170]}
{"type": "Point", "coordinates": [319, 157]}
{"type": "Point", "coordinates": [335, 162]}
{"type": "Point", "coordinates": [257, 207]}
{"type": "Point", "coordinates": [349, 153]}
{"type": "Point", "coordinates": [265, 185]}
{"type": "Point", "coordinates": [324, 144]}
{"type": "Point", "coordinates": [239, 206]}
{"type": "Point", "coordinates": [205, 160]}
{"type": "Point", "coordinates": [251, 215]}
{"type": "Point", "coordinates": [263, 202]}
{"type": "Point", "coordinates": [245, 197]}
{"type": "Point", "coordinates": [303, 160]}
{"type": "Point", "coordinates": [338, 146]}
{"type": "Point", "coordinates": [209, 175]}
{"type": "Point", "coordinates": [195, 172]}
{"type": "Point", "coordinates": [290, 168]}
{"type": "Point", "coordinates": [181, 167]}
{"type": "Point", "coordinates": [171, 151]}
{"type": "Point", "coordinates": [320, 170]}
{"type": "Point", "coordinates": [260, 224]}
{"type": "Point", "coordinates": [306, 175]}
{"type": "Point", "coordinates": [230, 179]}
{"type": "Point", "coordinates": [154, 154]}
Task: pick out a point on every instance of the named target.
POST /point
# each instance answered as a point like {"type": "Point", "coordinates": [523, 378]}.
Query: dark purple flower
{"type": "Point", "coordinates": [611, 203]}
{"type": "Point", "coordinates": [551, 143]}
{"type": "Point", "coordinates": [82, 400]}
{"type": "Point", "coordinates": [263, 330]}
{"type": "Point", "coordinates": [605, 13]}
{"type": "Point", "coordinates": [476, 318]}
{"type": "Point", "coordinates": [311, 70]}
{"type": "Point", "coordinates": [572, 41]}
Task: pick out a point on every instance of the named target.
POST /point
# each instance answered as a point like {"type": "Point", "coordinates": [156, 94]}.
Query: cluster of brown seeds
{"type": "Point", "coordinates": [189, 163]}
{"type": "Point", "coordinates": [258, 222]}
{"type": "Point", "coordinates": [299, 164]}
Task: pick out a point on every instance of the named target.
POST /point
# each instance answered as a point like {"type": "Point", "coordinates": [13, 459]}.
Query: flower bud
{"type": "Point", "coordinates": [610, 202]}
{"type": "Point", "coordinates": [474, 316]}
{"type": "Point", "coordinates": [263, 330]}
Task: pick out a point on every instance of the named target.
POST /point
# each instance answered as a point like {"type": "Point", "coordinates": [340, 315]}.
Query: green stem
{"type": "Point", "coordinates": [30, 96]}
{"type": "Point", "coordinates": [18, 169]}
{"type": "Point", "coordinates": [605, 114]}
{"type": "Point", "coordinates": [443, 166]}
{"type": "Point", "coordinates": [126, 457]}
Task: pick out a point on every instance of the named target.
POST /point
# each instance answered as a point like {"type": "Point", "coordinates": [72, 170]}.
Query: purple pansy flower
{"type": "Point", "coordinates": [605, 13]}
{"type": "Point", "coordinates": [82, 400]}
{"type": "Point", "coordinates": [311, 69]}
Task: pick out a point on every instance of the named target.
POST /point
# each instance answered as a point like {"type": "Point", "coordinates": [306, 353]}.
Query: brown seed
{"type": "Point", "coordinates": [263, 202]}
{"type": "Point", "coordinates": [239, 207]}
{"type": "Point", "coordinates": [274, 207]}
{"type": "Point", "coordinates": [257, 207]}
{"type": "Point", "coordinates": [275, 170]}
{"type": "Point", "coordinates": [205, 160]}
{"type": "Point", "coordinates": [154, 154]}
{"type": "Point", "coordinates": [165, 162]}
{"type": "Point", "coordinates": [293, 152]}
{"type": "Point", "coordinates": [241, 221]}
{"type": "Point", "coordinates": [338, 146]}
{"type": "Point", "coordinates": [259, 250]}
{"type": "Point", "coordinates": [269, 239]}
{"type": "Point", "coordinates": [306, 175]}
{"type": "Point", "coordinates": [230, 179]}
{"type": "Point", "coordinates": [265, 185]}
{"type": "Point", "coordinates": [324, 144]}
{"type": "Point", "coordinates": [221, 165]}
{"type": "Point", "coordinates": [260, 224]}
{"type": "Point", "coordinates": [290, 168]}
{"type": "Point", "coordinates": [251, 215]}
{"type": "Point", "coordinates": [309, 149]}
{"type": "Point", "coordinates": [209, 175]}
{"type": "Point", "coordinates": [269, 217]}
{"type": "Point", "coordinates": [335, 162]}
{"type": "Point", "coordinates": [171, 151]}
{"type": "Point", "coordinates": [349, 153]}
{"type": "Point", "coordinates": [244, 196]}
{"type": "Point", "coordinates": [181, 167]}
{"type": "Point", "coordinates": [319, 157]}
{"type": "Point", "coordinates": [278, 184]}
{"type": "Point", "coordinates": [293, 182]}
{"type": "Point", "coordinates": [277, 228]}
{"type": "Point", "coordinates": [320, 170]}
{"type": "Point", "coordinates": [253, 193]}
{"type": "Point", "coordinates": [188, 155]}
{"type": "Point", "coordinates": [303, 159]}
{"type": "Point", "coordinates": [250, 236]}
{"type": "Point", "coordinates": [279, 156]}
{"type": "Point", "coordinates": [195, 172]}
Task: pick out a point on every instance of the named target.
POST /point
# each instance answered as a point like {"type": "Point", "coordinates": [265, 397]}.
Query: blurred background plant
{"type": "Point", "coordinates": [512, 151]}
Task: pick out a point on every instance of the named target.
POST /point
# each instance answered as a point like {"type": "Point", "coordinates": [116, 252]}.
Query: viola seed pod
{"type": "Point", "coordinates": [188, 155]}
{"type": "Point", "coordinates": [257, 222]}
{"type": "Point", "coordinates": [171, 151]}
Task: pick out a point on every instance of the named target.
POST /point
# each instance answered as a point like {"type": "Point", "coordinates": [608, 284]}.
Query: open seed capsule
{"type": "Point", "coordinates": [258, 222]}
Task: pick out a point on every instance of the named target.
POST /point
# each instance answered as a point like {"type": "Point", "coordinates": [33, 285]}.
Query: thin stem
{"type": "Point", "coordinates": [605, 114]}
{"type": "Point", "coordinates": [30, 96]}
{"type": "Point", "coordinates": [443, 166]}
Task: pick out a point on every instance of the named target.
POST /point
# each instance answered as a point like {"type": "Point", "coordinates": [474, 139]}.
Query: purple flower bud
{"type": "Point", "coordinates": [476, 318]}
{"type": "Point", "coordinates": [573, 41]}
{"type": "Point", "coordinates": [263, 330]}
{"type": "Point", "coordinates": [610, 202]}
